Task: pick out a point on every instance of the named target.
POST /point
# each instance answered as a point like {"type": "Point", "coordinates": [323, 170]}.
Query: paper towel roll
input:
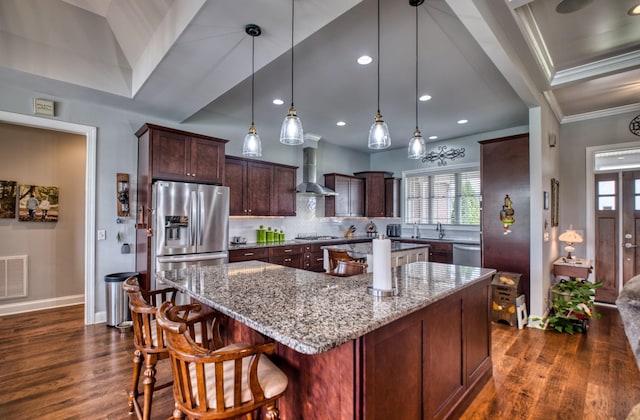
{"type": "Point", "coordinates": [382, 264]}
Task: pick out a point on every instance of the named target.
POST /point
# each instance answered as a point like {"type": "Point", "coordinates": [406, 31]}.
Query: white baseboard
{"type": "Point", "coordinates": [100, 317]}
{"type": "Point", "coordinates": [37, 305]}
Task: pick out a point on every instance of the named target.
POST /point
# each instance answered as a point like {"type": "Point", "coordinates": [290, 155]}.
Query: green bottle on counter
{"type": "Point", "coordinates": [281, 235]}
{"type": "Point", "coordinates": [261, 236]}
{"type": "Point", "coordinates": [269, 235]}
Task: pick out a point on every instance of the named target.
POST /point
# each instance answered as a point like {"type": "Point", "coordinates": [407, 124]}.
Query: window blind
{"type": "Point", "coordinates": [451, 198]}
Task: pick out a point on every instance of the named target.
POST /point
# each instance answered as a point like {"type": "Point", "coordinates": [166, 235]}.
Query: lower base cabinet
{"type": "Point", "coordinates": [428, 365]}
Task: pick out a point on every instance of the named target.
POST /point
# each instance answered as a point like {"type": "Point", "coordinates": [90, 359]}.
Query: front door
{"type": "Point", "coordinates": [617, 231]}
{"type": "Point", "coordinates": [630, 225]}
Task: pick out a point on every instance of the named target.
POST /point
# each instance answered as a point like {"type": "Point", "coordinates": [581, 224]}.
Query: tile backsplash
{"type": "Point", "coordinates": [310, 220]}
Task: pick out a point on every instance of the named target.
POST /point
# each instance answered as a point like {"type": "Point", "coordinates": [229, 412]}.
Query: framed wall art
{"type": "Point", "coordinates": [38, 203]}
{"type": "Point", "coordinates": [8, 191]}
{"type": "Point", "coordinates": [555, 196]}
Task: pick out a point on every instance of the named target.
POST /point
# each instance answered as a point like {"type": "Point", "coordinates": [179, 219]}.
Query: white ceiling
{"type": "Point", "coordinates": [190, 60]}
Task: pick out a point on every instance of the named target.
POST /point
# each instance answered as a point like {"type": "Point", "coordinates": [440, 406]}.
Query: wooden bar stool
{"type": "Point", "coordinates": [336, 255]}
{"type": "Point", "coordinates": [232, 381]}
{"type": "Point", "coordinates": [345, 268]}
{"type": "Point", "coordinates": [149, 341]}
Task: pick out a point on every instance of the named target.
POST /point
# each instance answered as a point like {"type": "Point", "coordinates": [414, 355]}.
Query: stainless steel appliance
{"type": "Point", "coordinates": [191, 224]}
{"type": "Point", "coordinates": [394, 230]}
{"type": "Point", "coordinates": [467, 254]}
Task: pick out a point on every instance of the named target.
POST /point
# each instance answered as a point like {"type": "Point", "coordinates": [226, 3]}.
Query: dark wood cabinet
{"type": "Point", "coordinates": [290, 256]}
{"type": "Point", "coordinates": [171, 155]}
{"type": "Point", "coordinates": [284, 186]}
{"type": "Point", "coordinates": [180, 156]}
{"type": "Point", "coordinates": [350, 199]}
{"type": "Point", "coordinates": [445, 359]}
{"type": "Point", "coordinates": [313, 257]}
{"type": "Point", "coordinates": [247, 254]}
{"type": "Point", "coordinates": [392, 197]}
{"type": "Point", "coordinates": [260, 188]}
{"type": "Point", "coordinates": [504, 170]}
{"type": "Point", "coordinates": [374, 188]}
{"type": "Point", "coordinates": [441, 252]}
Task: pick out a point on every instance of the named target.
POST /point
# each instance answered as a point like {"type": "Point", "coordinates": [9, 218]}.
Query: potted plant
{"type": "Point", "coordinates": [572, 305]}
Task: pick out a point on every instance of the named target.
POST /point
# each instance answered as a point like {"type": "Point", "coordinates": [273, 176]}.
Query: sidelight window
{"type": "Point", "coordinates": [451, 198]}
{"type": "Point", "coordinates": [606, 195]}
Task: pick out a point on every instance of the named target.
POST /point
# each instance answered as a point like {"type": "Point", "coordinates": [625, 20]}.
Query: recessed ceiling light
{"type": "Point", "coordinates": [278, 101]}
{"type": "Point", "coordinates": [364, 60]}
{"type": "Point", "coordinates": [425, 98]}
{"type": "Point", "coordinates": [433, 137]}
{"type": "Point", "coordinates": [341, 123]}
{"type": "Point", "coordinates": [635, 10]}
{"type": "Point", "coordinates": [463, 121]}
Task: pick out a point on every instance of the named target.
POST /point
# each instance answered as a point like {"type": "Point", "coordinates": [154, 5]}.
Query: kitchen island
{"type": "Point", "coordinates": [401, 253]}
{"type": "Point", "coordinates": [424, 353]}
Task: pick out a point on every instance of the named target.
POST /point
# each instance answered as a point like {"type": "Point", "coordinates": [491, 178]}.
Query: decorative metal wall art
{"type": "Point", "coordinates": [443, 154]}
{"type": "Point", "coordinates": [506, 215]}
{"type": "Point", "coordinates": [634, 126]}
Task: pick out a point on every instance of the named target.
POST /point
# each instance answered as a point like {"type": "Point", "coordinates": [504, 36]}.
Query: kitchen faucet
{"type": "Point", "coordinates": [440, 230]}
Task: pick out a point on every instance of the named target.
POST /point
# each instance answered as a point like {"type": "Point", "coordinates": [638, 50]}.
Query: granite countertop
{"type": "Point", "coordinates": [314, 312]}
{"type": "Point", "coordinates": [366, 248]}
{"type": "Point", "coordinates": [443, 240]}
{"type": "Point", "coordinates": [290, 242]}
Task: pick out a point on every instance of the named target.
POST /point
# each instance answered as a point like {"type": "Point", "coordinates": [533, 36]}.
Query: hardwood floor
{"type": "Point", "coordinates": [55, 367]}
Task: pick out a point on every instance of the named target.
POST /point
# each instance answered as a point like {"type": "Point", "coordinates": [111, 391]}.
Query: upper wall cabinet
{"type": "Point", "coordinates": [374, 201]}
{"type": "Point", "coordinates": [180, 156]}
{"type": "Point", "coordinates": [350, 199]}
{"type": "Point", "coordinates": [260, 188]}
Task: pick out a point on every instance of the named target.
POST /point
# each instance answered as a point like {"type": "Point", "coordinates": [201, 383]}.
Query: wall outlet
{"type": "Point", "coordinates": [102, 234]}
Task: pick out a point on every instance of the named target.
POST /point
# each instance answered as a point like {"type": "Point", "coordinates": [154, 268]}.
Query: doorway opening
{"type": "Point", "coordinates": [90, 189]}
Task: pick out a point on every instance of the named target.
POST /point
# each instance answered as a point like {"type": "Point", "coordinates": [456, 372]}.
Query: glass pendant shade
{"type": "Point", "coordinates": [252, 145]}
{"type": "Point", "coordinates": [379, 137]}
{"type": "Point", "coordinates": [417, 146]}
{"type": "Point", "coordinates": [291, 133]}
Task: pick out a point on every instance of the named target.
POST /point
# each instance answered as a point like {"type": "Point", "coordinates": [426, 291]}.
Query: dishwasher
{"type": "Point", "coordinates": [467, 254]}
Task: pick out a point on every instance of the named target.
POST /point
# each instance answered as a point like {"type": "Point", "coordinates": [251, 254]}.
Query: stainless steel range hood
{"type": "Point", "coordinates": [309, 184]}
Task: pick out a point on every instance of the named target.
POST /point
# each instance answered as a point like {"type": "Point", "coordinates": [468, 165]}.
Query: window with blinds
{"type": "Point", "coordinates": [451, 198]}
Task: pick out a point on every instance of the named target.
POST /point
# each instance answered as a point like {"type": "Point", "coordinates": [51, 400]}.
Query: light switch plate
{"type": "Point", "coordinates": [102, 235]}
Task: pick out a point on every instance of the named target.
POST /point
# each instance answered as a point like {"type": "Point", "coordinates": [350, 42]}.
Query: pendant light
{"type": "Point", "coordinates": [291, 133]}
{"type": "Point", "coordinates": [252, 145]}
{"type": "Point", "coordinates": [417, 147]}
{"type": "Point", "coordinates": [379, 137]}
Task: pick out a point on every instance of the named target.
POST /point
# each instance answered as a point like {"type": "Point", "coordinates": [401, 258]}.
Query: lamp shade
{"type": "Point", "coordinates": [417, 147]}
{"type": "Point", "coordinates": [570, 236]}
{"type": "Point", "coordinates": [292, 133]}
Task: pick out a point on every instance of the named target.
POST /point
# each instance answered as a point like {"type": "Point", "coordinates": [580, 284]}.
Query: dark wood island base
{"type": "Point", "coordinates": [429, 364]}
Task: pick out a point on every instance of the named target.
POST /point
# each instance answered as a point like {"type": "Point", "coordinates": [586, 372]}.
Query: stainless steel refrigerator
{"type": "Point", "coordinates": [191, 224]}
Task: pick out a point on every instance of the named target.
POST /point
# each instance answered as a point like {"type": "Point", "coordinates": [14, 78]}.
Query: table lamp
{"type": "Point", "coordinates": [571, 237]}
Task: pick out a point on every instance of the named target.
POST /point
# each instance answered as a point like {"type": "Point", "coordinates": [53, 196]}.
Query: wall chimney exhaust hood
{"type": "Point", "coordinates": [309, 185]}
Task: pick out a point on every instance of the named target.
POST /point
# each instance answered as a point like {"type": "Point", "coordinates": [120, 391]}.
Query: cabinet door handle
{"type": "Point", "coordinates": [188, 173]}
{"type": "Point", "coordinates": [247, 254]}
{"type": "Point", "coordinates": [287, 260]}
{"type": "Point", "coordinates": [288, 250]}
{"type": "Point", "coordinates": [193, 174]}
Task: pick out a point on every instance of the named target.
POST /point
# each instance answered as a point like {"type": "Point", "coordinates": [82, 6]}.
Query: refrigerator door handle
{"type": "Point", "coordinates": [192, 257]}
{"type": "Point", "coordinates": [201, 219]}
{"type": "Point", "coordinates": [193, 216]}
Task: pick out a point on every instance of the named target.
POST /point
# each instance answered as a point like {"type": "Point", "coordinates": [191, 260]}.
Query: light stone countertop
{"type": "Point", "coordinates": [366, 248]}
{"type": "Point", "coordinates": [314, 312]}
